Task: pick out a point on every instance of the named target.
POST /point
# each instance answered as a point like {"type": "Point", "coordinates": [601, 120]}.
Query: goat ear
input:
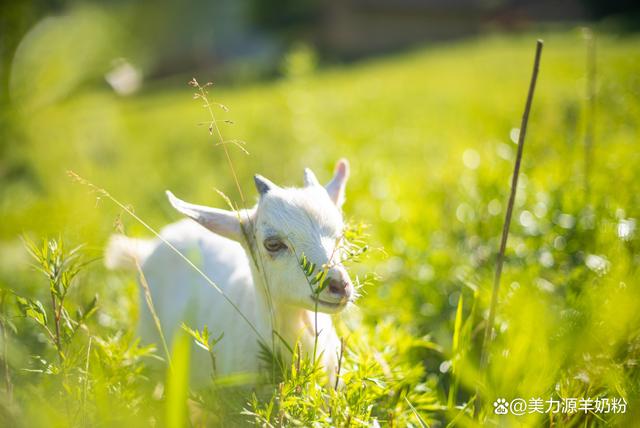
{"type": "Point", "coordinates": [263, 185]}
{"type": "Point", "coordinates": [222, 222]}
{"type": "Point", "coordinates": [310, 179]}
{"type": "Point", "coordinates": [336, 187]}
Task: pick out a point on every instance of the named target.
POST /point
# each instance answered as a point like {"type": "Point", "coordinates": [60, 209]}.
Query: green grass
{"type": "Point", "coordinates": [428, 137]}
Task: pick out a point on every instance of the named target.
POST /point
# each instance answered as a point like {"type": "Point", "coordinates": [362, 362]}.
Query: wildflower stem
{"type": "Point", "coordinates": [214, 126]}
{"type": "Point", "coordinates": [507, 221]}
{"type": "Point", "coordinates": [257, 259]}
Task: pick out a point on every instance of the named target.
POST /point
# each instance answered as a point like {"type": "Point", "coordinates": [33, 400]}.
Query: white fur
{"type": "Point", "coordinates": [307, 219]}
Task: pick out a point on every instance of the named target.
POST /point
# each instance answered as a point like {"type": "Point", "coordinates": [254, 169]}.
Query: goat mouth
{"type": "Point", "coordinates": [333, 305]}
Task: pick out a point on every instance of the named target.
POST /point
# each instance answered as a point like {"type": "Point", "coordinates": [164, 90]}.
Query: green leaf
{"type": "Point", "coordinates": [38, 313]}
{"type": "Point", "coordinates": [323, 285]}
{"type": "Point", "coordinates": [32, 309]}
{"type": "Point", "coordinates": [85, 313]}
{"type": "Point", "coordinates": [203, 338]}
{"type": "Point", "coordinates": [319, 277]}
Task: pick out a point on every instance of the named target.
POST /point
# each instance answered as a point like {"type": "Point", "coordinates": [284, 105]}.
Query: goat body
{"type": "Point", "coordinates": [270, 294]}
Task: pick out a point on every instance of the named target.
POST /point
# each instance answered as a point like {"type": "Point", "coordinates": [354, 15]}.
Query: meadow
{"type": "Point", "coordinates": [430, 135]}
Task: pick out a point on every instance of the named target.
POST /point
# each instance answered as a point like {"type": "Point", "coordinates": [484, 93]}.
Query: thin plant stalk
{"type": "Point", "coordinates": [213, 126]}
{"type": "Point", "coordinates": [321, 277]}
{"type": "Point", "coordinates": [421, 421]}
{"type": "Point", "coordinates": [507, 221]}
{"type": "Point", "coordinates": [102, 192]}
{"type": "Point", "coordinates": [257, 259]}
{"type": "Point", "coordinates": [152, 309]}
{"type": "Point", "coordinates": [590, 116]}
{"type": "Point", "coordinates": [85, 387]}
{"type": "Point", "coordinates": [455, 355]}
{"type": "Point", "coordinates": [339, 369]}
{"type": "Point", "coordinates": [5, 348]}
{"type": "Point", "coordinates": [320, 286]}
{"type": "Point", "coordinates": [214, 364]}
{"type": "Point", "coordinates": [315, 331]}
{"type": "Point", "coordinates": [56, 323]}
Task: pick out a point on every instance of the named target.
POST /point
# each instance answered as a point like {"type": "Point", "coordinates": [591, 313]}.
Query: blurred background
{"type": "Point", "coordinates": [244, 40]}
{"type": "Point", "coordinates": [424, 98]}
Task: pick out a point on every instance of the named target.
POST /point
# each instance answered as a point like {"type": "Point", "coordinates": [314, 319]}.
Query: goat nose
{"type": "Point", "coordinates": [338, 286]}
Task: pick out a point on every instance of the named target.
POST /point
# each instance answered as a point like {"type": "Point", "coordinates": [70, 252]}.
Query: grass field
{"type": "Point", "coordinates": [430, 138]}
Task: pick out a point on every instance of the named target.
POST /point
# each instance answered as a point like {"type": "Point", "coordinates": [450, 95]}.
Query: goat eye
{"type": "Point", "coordinates": [274, 245]}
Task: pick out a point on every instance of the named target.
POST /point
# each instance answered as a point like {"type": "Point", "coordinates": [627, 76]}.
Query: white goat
{"type": "Point", "coordinates": [251, 255]}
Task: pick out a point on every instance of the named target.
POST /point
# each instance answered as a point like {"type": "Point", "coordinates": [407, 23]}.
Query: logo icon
{"type": "Point", "coordinates": [500, 406]}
